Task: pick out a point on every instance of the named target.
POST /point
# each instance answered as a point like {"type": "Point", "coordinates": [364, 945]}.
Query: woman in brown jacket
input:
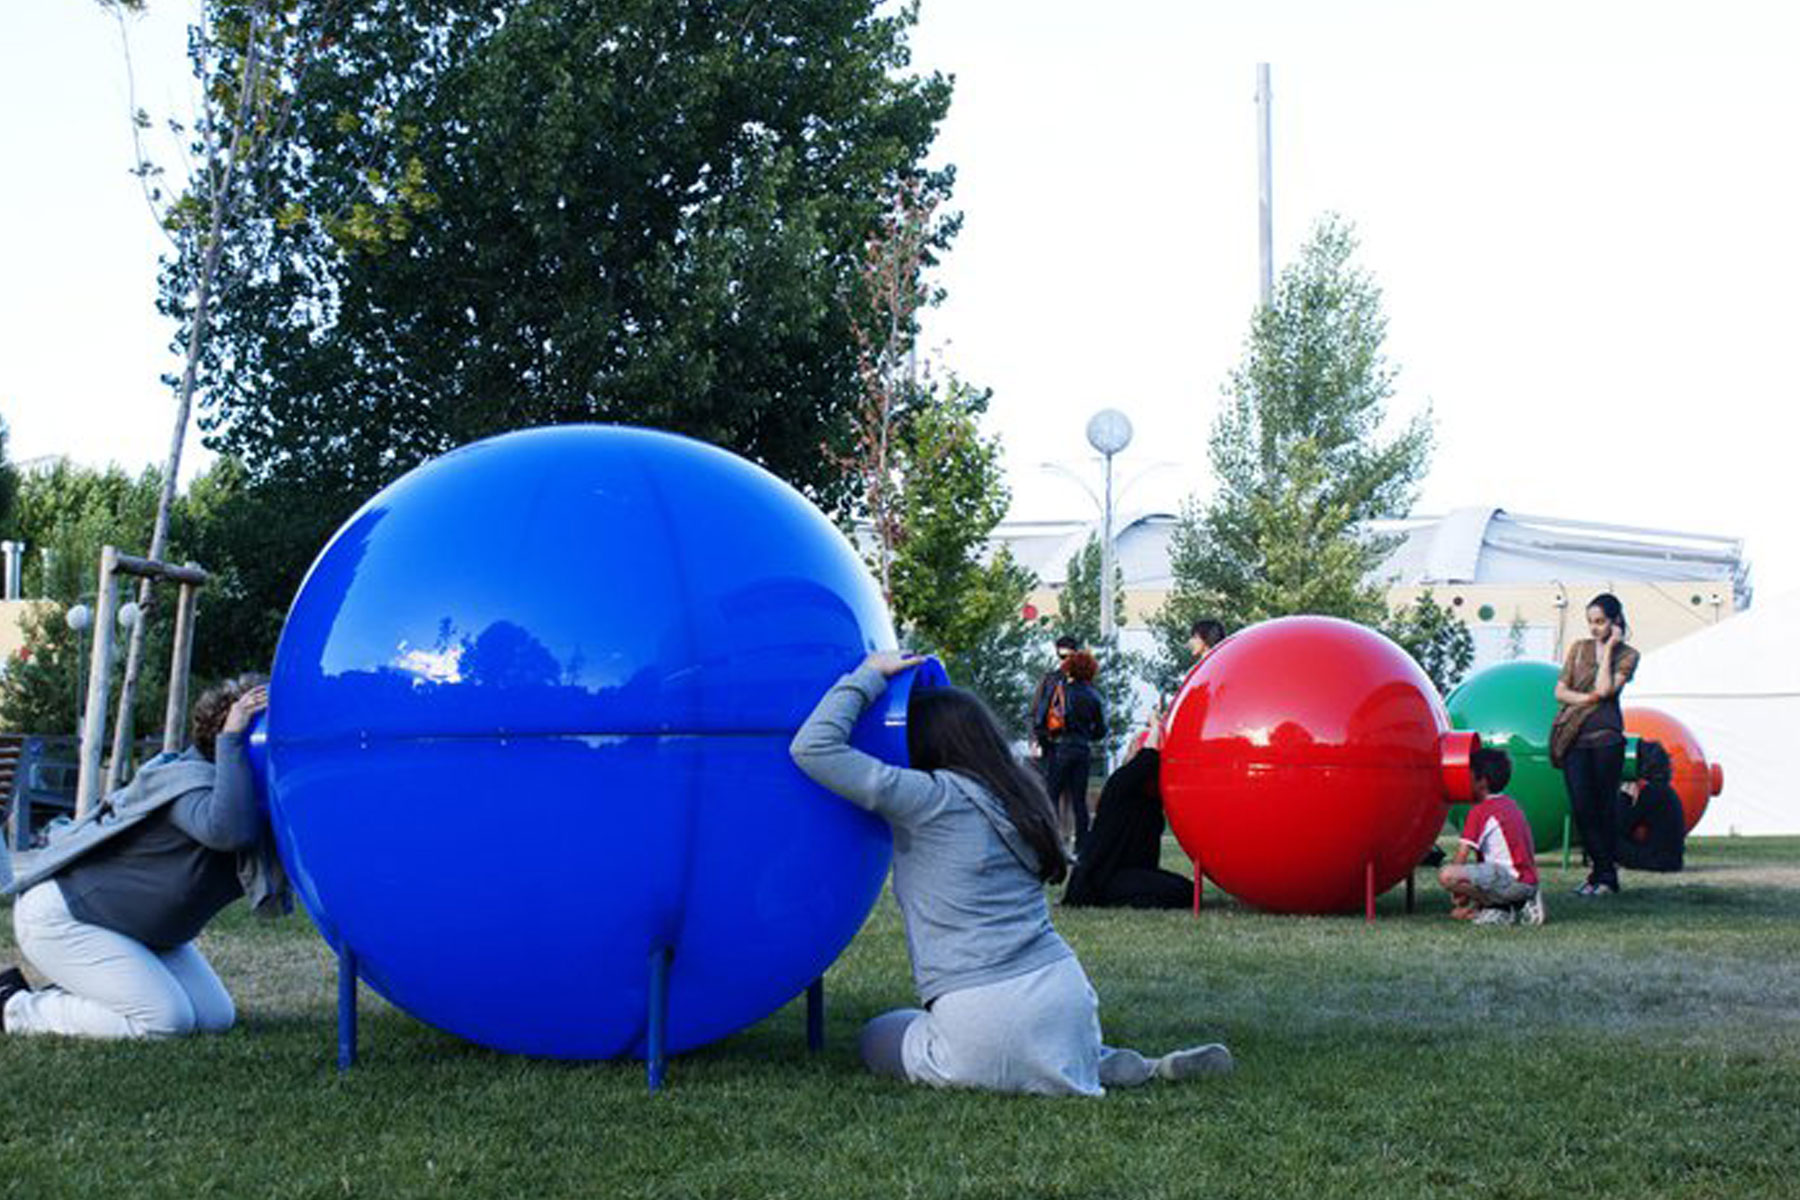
{"type": "Point", "coordinates": [1588, 737]}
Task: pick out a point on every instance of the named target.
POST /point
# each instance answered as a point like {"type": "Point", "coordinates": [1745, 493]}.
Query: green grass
{"type": "Point", "coordinates": [1643, 1046]}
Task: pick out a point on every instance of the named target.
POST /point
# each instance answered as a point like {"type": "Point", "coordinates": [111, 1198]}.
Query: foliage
{"type": "Point", "coordinates": [1300, 461]}
{"type": "Point", "coordinates": [1078, 615]}
{"type": "Point", "coordinates": [496, 215]}
{"type": "Point", "coordinates": [947, 494]}
{"type": "Point", "coordinates": [43, 681]}
{"type": "Point", "coordinates": [71, 512]}
{"type": "Point", "coordinates": [248, 57]}
{"type": "Point", "coordinates": [9, 481]}
{"type": "Point", "coordinates": [1438, 640]}
{"type": "Point", "coordinates": [256, 544]}
{"type": "Point", "coordinates": [1515, 636]}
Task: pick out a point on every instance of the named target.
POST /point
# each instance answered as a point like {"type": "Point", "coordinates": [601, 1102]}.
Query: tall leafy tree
{"type": "Point", "coordinates": [1300, 458]}
{"type": "Point", "coordinates": [949, 597]}
{"type": "Point", "coordinates": [248, 57]}
{"type": "Point", "coordinates": [511, 213]}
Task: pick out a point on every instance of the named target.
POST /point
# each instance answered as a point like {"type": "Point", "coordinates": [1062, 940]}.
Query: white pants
{"type": "Point", "coordinates": [107, 985]}
{"type": "Point", "coordinates": [1038, 1032]}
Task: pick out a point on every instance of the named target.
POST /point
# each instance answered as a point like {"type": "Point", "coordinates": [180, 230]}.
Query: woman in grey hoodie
{"type": "Point", "coordinates": [110, 909]}
{"type": "Point", "coordinates": [1006, 1005]}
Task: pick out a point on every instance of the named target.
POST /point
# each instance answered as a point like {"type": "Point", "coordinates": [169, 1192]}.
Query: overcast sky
{"type": "Point", "coordinates": [1582, 216]}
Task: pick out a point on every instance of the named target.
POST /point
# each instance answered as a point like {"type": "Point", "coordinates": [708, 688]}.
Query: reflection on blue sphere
{"type": "Point", "coordinates": [532, 708]}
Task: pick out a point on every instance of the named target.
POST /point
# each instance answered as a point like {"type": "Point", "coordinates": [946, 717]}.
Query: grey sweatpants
{"type": "Point", "coordinates": [1038, 1032]}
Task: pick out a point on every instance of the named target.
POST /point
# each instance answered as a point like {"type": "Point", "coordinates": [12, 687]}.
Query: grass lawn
{"type": "Point", "coordinates": [1647, 1045]}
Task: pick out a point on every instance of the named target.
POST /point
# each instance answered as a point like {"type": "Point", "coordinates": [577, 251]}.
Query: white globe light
{"type": "Point", "coordinates": [1109, 431]}
{"type": "Point", "coordinates": [79, 617]}
{"type": "Point", "coordinates": [129, 612]}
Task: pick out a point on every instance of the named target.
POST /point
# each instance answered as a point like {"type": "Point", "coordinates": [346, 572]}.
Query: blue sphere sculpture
{"type": "Point", "coordinates": [531, 717]}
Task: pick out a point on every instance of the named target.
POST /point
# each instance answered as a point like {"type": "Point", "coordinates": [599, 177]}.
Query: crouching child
{"type": "Point", "coordinates": [1501, 886]}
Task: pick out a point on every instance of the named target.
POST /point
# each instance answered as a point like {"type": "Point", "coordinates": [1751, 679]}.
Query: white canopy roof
{"type": "Point", "coordinates": [1737, 686]}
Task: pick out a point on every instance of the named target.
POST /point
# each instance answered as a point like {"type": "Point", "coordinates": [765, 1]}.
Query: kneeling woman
{"type": "Point", "coordinates": [110, 910]}
{"type": "Point", "coordinates": [1122, 865]}
{"type": "Point", "coordinates": [1007, 1006]}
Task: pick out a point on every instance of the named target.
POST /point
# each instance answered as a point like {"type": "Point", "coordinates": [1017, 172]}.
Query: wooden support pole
{"type": "Point", "coordinates": [93, 721]}
{"type": "Point", "coordinates": [180, 664]}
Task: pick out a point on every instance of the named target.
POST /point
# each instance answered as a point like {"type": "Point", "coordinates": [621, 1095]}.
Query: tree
{"type": "Point", "coordinates": [947, 494]}
{"type": "Point", "coordinates": [248, 56]}
{"type": "Point", "coordinates": [1438, 640]}
{"type": "Point", "coordinates": [636, 211]}
{"type": "Point", "coordinates": [9, 482]}
{"type": "Point", "coordinates": [1515, 636]}
{"type": "Point", "coordinates": [1300, 461]}
{"type": "Point", "coordinates": [67, 513]}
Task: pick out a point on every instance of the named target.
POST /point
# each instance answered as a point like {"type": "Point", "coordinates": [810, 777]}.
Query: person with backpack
{"type": "Point", "coordinates": [1040, 698]}
{"type": "Point", "coordinates": [1006, 1006]}
{"type": "Point", "coordinates": [1074, 721]}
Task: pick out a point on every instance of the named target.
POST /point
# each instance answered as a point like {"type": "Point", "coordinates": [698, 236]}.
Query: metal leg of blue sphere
{"type": "Point", "coordinates": [346, 1008]}
{"type": "Point", "coordinates": [655, 1052]}
{"type": "Point", "coordinates": [815, 1015]}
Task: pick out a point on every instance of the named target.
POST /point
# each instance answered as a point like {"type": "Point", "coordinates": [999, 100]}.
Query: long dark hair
{"type": "Point", "coordinates": [1612, 610]}
{"type": "Point", "coordinates": [949, 729]}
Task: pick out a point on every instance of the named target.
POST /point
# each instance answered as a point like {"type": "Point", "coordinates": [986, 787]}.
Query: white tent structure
{"type": "Point", "coordinates": [1737, 686]}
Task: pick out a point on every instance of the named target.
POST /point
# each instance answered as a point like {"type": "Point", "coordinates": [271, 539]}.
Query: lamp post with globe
{"type": "Point", "coordinates": [1109, 432]}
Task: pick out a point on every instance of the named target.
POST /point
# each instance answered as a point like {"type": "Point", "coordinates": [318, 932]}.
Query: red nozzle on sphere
{"type": "Point", "coordinates": [1454, 751]}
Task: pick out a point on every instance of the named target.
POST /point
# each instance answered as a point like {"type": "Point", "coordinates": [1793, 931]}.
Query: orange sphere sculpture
{"type": "Point", "coordinates": [1307, 764]}
{"type": "Point", "coordinates": [1694, 779]}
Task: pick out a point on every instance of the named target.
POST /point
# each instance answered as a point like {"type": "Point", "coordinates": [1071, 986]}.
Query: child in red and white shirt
{"type": "Point", "coordinates": [1501, 885]}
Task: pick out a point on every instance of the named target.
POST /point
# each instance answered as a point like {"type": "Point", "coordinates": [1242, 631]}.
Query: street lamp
{"type": "Point", "coordinates": [1109, 432]}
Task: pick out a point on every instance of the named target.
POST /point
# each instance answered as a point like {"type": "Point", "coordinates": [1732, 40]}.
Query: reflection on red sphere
{"type": "Point", "coordinates": [1694, 779]}
{"type": "Point", "coordinates": [1300, 753]}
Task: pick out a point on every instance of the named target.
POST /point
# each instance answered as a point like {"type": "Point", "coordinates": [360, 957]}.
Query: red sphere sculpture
{"type": "Point", "coordinates": [1694, 779]}
{"type": "Point", "coordinates": [1307, 764]}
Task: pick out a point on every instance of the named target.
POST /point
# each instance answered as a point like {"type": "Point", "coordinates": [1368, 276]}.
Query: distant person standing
{"type": "Point", "coordinates": [1204, 637]}
{"type": "Point", "coordinates": [1046, 689]}
{"type": "Point", "coordinates": [1587, 739]}
{"type": "Point", "coordinates": [1074, 719]}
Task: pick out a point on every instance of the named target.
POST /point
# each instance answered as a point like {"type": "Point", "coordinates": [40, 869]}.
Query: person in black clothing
{"type": "Point", "coordinates": [1652, 827]}
{"type": "Point", "coordinates": [1074, 719]}
{"type": "Point", "coordinates": [1121, 866]}
{"type": "Point", "coordinates": [1040, 699]}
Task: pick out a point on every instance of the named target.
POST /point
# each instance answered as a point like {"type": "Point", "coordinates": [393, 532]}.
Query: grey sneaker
{"type": "Point", "coordinates": [1493, 916]}
{"type": "Point", "coordinates": [1194, 1062]}
{"type": "Point", "coordinates": [1533, 911]}
{"type": "Point", "coordinates": [1124, 1068]}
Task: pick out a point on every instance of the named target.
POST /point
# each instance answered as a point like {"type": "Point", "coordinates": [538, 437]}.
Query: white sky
{"type": "Point", "coordinates": [1584, 218]}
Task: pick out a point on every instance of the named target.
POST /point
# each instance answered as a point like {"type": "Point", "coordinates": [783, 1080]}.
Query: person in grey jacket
{"type": "Point", "coordinates": [111, 911]}
{"type": "Point", "coordinates": [1006, 1005]}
